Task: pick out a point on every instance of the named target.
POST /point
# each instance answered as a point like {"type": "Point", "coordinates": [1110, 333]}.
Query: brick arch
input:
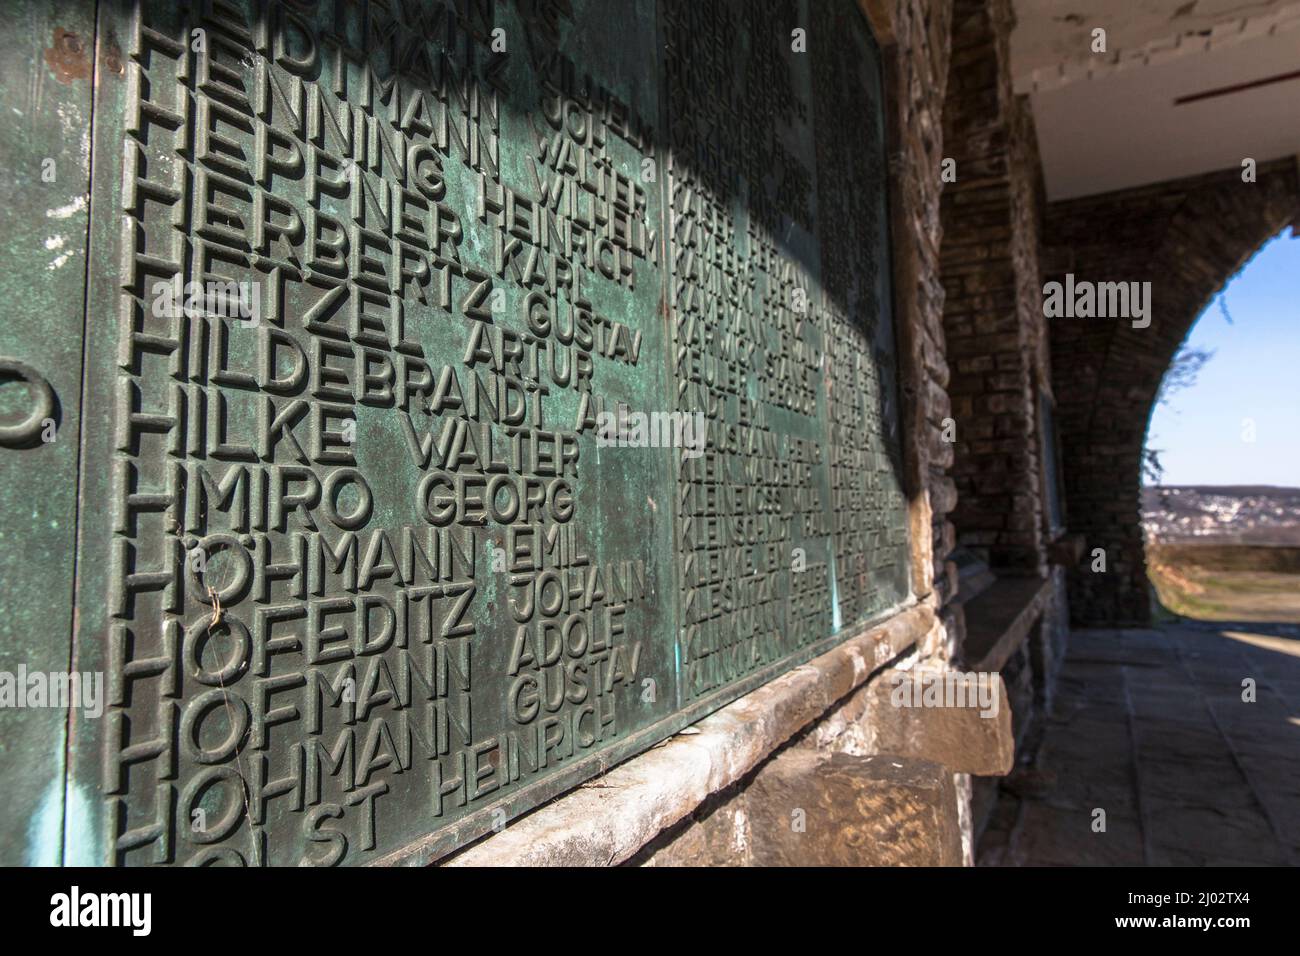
{"type": "Point", "coordinates": [1187, 237]}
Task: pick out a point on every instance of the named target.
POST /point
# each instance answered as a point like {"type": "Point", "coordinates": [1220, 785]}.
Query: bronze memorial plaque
{"type": "Point", "coordinates": [476, 394]}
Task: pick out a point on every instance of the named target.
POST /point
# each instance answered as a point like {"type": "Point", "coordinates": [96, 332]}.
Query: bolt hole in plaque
{"type": "Point", "coordinates": [27, 405]}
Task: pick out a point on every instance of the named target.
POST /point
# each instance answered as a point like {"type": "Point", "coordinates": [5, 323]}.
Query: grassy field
{"type": "Point", "coordinates": [1217, 583]}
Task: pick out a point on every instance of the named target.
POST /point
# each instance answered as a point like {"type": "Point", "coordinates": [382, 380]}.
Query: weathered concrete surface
{"type": "Point", "coordinates": [809, 809]}
{"type": "Point", "coordinates": [611, 818]}
{"type": "Point", "coordinates": [1151, 727]}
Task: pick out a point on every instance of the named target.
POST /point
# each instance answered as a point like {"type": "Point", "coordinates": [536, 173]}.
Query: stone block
{"type": "Point", "coordinates": [959, 738]}
{"type": "Point", "coordinates": [809, 809]}
{"type": "Point", "coordinates": [719, 837]}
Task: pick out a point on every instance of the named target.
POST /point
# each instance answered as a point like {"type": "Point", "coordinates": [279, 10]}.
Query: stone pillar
{"type": "Point", "coordinates": [993, 312]}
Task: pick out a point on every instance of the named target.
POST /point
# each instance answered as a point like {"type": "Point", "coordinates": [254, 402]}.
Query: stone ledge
{"type": "Point", "coordinates": [999, 620]}
{"type": "Point", "coordinates": [962, 739]}
{"type": "Point", "coordinates": [867, 723]}
{"type": "Point", "coordinates": [609, 819]}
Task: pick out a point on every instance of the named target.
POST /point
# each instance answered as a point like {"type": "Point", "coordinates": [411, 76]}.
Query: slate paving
{"type": "Point", "coordinates": [1154, 728]}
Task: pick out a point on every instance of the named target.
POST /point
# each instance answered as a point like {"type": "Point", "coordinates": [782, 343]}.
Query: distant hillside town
{"type": "Point", "coordinates": [1222, 514]}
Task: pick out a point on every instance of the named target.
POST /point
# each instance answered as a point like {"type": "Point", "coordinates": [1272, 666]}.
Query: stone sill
{"type": "Point", "coordinates": [608, 819]}
{"type": "Point", "coordinates": [999, 619]}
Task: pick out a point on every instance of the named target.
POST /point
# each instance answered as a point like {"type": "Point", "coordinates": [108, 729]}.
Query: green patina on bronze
{"type": "Point", "coordinates": [45, 94]}
{"type": "Point", "coordinates": [366, 567]}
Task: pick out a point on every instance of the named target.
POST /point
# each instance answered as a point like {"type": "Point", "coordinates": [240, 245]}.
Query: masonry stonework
{"type": "Point", "coordinates": [992, 313]}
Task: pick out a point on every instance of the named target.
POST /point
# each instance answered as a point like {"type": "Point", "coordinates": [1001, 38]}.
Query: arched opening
{"type": "Point", "coordinates": [1221, 510]}
{"type": "Point", "coordinates": [1170, 733]}
{"type": "Point", "coordinates": [1158, 190]}
{"type": "Point", "coordinates": [1185, 238]}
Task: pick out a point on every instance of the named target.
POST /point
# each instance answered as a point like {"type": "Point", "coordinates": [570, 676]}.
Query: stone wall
{"type": "Point", "coordinates": [1187, 238]}
{"type": "Point", "coordinates": [916, 38]}
{"type": "Point", "coordinates": [992, 314]}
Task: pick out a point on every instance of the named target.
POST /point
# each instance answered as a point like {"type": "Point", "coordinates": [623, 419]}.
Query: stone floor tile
{"type": "Point", "coordinates": [1150, 726]}
{"type": "Point", "coordinates": [1050, 836]}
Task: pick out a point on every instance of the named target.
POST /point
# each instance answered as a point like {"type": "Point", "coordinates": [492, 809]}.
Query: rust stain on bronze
{"type": "Point", "coordinates": [68, 57]}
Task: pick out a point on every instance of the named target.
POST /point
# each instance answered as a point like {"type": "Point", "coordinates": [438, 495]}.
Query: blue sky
{"type": "Point", "coordinates": [1254, 376]}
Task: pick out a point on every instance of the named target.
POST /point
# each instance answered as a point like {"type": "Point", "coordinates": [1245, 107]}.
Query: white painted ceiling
{"type": "Point", "coordinates": [1109, 121]}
